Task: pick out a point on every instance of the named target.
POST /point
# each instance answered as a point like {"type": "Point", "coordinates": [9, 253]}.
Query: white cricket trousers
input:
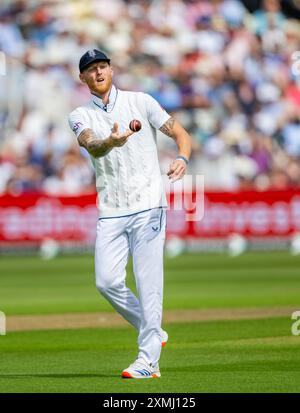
{"type": "Point", "coordinates": [142, 235]}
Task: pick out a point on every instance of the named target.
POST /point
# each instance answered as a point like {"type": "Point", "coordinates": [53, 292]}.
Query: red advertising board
{"type": "Point", "coordinates": [34, 217]}
{"type": "Point", "coordinates": [249, 213]}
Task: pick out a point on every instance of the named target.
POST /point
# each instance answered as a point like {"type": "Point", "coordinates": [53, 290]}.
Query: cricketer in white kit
{"type": "Point", "coordinates": [132, 202]}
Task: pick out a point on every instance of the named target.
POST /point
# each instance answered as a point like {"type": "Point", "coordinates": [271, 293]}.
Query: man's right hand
{"type": "Point", "coordinates": [101, 147]}
{"type": "Point", "coordinates": [116, 139]}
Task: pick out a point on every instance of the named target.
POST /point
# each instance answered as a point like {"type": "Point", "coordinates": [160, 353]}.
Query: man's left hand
{"type": "Point", "coordinates": [177, 170]}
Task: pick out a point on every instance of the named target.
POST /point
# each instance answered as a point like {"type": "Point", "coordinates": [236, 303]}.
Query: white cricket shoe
{"type": "Point", "coordinates": [141, 370]}
{"type": "Point", "coordinates": [164, 338]}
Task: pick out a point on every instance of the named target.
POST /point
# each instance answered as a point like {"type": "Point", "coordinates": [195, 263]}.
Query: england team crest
{"type": "Point", "coordinates": [91, 53]}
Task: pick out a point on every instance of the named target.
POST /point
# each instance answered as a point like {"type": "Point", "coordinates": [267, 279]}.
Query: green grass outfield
{"type": "Point", "coordinates": [192, 281]}
{"type": "Point", "coordinates": [257, 355]}
{"type": "Point", "coordinates": [227, 356]}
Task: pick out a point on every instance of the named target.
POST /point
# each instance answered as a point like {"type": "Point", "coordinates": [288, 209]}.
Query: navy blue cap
{"type": "Point", "coordinates": [92, 56]}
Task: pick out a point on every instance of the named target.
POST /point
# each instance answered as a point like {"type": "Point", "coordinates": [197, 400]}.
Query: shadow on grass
{"type": "Point", "coordinates": [55, 376]}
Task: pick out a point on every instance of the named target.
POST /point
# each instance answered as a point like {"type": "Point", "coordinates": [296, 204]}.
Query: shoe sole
{"type": "Point", "coordinates": [126, 375]}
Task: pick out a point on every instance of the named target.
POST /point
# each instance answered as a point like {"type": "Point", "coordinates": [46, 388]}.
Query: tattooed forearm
{"type": "Point", "coordinates": [181, 137]}
{"type": "Point", "coordinates": [96, 147]}
{"type": "Point", "coordinates": [167, 128]}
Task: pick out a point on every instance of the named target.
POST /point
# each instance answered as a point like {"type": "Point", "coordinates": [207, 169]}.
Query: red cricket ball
{"type": "Point", "coordinates": [135, 125]}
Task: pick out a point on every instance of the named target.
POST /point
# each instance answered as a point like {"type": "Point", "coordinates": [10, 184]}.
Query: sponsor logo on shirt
{"type": "Point", "coordinates": [76, 126]}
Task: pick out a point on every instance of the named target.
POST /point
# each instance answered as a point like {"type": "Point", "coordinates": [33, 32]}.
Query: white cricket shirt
{"type": "Point", "coordinates": [128, 178]}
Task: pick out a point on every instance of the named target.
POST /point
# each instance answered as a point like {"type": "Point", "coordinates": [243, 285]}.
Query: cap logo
{"type": "Point", "coordinates": [91, 53]}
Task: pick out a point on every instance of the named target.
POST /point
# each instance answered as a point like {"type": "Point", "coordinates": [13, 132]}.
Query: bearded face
{"type": "Point", "coordinates": [98, 77]}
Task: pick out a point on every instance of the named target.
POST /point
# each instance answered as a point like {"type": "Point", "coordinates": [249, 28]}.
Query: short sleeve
{"type": "Point", "coordinates": [77, 122]}
{"type": "Point", "coordinates": [157, 116]}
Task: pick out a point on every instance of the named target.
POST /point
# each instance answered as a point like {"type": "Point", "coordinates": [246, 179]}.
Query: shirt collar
{"type": "Point", "coordinates": [111, 100]}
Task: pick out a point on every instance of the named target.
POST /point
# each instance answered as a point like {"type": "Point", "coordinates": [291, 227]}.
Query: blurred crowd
{"type": "Point", "coordinates": [231, 77]}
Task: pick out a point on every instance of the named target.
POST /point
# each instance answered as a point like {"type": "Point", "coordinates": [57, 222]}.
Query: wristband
{"type": "Point", "coordinates": [183, 159]}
